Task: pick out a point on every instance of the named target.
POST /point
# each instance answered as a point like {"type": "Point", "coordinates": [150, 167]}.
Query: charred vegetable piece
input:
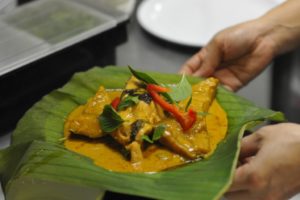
{"type": "Point", "coordinates": [135, 128]}
{"type": "Point", "coordinates": [146, 97]}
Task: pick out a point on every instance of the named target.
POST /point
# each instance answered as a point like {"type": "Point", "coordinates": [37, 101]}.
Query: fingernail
{"type": "Point", "coordinates": [228, 88]}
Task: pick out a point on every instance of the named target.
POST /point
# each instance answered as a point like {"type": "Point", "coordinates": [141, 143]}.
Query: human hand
{"type": "Point", "coordinates": [239, 53]}
{"type": "Point", "coordinates": [235, 55]}
{"type": "Point", "coordinates": [270, 164]}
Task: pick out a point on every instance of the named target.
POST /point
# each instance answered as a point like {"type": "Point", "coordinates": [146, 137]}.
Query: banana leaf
{"type": "Point", "coordinates": [37, 166]}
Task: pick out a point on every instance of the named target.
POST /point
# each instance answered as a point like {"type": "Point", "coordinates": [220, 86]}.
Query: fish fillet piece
{"type": "Point", "coordinates": [195, 142]}
{"type": "Point", "coordinates": [84, 120]}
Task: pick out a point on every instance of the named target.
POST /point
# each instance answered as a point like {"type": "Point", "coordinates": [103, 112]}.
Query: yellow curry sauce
{"type": "Point", "coordinates": [105, 152]}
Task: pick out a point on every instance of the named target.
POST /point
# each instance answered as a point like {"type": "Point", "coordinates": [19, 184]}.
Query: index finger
{"type": "Point", "coordinates": [192, 64]}
{"type": "Point", "coordinates": [250, 145]}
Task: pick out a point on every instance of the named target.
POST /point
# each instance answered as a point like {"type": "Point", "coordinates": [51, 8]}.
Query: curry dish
{"type": "Point", "coordinates": [148, 133]}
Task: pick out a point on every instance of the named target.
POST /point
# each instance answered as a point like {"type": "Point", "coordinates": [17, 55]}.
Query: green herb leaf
{"type": "Point", "coordinates": [188, 103]}
{"type": "Point", "coordinates": [109, 119]}
{"type": "Point", "coordinates": [142, 76]}
{"type": "Point", "coordinates": [168, 98]}
{"type": "Point", "coordinates": [147, 138]}
{"type": "Point", "coordinates": [128, 101]}
{"type": "Point", "coordinates": [182, 90]}
{"type": "Point", "coordinates": [203, 113]}
{"type": "Point", "coordinates": [158, 132]}
{"type": "Point", "coordinates": [149, 80]}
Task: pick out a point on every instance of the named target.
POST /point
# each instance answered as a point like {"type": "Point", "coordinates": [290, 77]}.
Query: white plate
{"type": "Point", "coordinates": [194, 22]}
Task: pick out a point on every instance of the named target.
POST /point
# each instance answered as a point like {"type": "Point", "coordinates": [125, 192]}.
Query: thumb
{"type": "Point", "coordinates": [192, 64]}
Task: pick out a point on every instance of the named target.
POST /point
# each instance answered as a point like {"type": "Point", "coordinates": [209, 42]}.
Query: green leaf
{"type": "Point", "coordinates": [46, 163]}
{"type": "Point", "coordinates": [149, 80]}
{"type": "Point", "coordinates": [147, 138]}
{"type": "Point", "coordinates": [142, 76]}
{"type": "Point", "coordinates": [158, 132]}
{"type": "Point", "coordinates": [128, 101]}
{"type": "Point", "coordinates": [188, 103]}
{"type": "Point", "coordinates": [181, 90]}
{"type": "Point", "coordinates": [38, 180]}
{"type": "Point", "coordinates": [109, 119]}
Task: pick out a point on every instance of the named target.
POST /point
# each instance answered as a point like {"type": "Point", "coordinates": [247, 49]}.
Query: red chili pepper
{"type": "Point", "coordinates": [186, 120]}
{"type": "Point", "coordinates": [115, 103]}
{"type": "Point", "coordinates": [156, 88]}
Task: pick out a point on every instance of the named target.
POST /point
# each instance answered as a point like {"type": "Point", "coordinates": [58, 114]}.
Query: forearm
{"type": "Point", "coordinates": [286, 21]}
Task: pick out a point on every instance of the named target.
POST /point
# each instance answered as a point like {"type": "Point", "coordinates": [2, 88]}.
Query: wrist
{"type": "Point", "coordinates": [285, 25]}
{"type": "Point", "coordinates": [285, 37]}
